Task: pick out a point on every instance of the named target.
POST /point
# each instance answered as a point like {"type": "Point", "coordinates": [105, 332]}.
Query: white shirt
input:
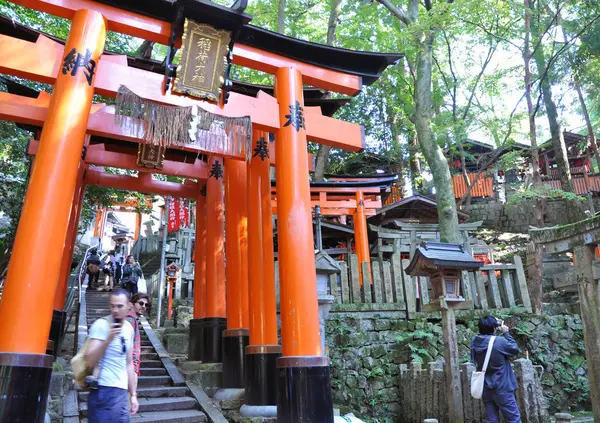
{"type": "Point", "coordinates": [113, 365]}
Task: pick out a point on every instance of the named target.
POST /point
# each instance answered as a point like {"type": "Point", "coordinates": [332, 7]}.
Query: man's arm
{"type": "Point", "coordinates": [132, 382]}
{"type": "Point", "coordinates": [509, 346]}
{"type": "Point", "coordinates": [101, 335]}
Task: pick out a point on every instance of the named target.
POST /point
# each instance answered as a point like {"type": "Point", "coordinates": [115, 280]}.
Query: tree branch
{"type": "Point", "coordinates": [487, 61]}
{"type": "Point", "coordinates": [554, 57]}
{"type": "Point", "coordinates": [396, 11]}
{"type": "Point", "coordinates": [491, 34]}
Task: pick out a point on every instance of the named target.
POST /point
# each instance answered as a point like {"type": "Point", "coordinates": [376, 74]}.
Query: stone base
{"type": "Point", "coordinates": [235, 342]}
{"type": "Point", "coordinates": [226, 394]}
{"type": "Point", "coordinates": [212, 339]}
{"type": "Point", "coordinates": [195, 341]}
{"type": "Point", "coordinates": [261, 375]}
{"type": "Point", "coordinates": [304, 390]}
{"type": "Point", "coordinates": [269, 411]}
{"type": "Point", "coordinates": [59, 318]}
{"type": "Point", "coordinates": [207, 375]}
{"type": "Point", "coordinates": [24, 385]}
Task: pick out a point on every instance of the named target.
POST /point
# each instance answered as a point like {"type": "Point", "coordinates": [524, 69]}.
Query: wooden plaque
{"type": "Point", "coordinates": [151, 156]}
{"type": "Point", "coordinates": [203, 61]}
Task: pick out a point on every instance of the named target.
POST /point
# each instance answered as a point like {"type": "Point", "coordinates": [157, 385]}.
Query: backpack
{"type": "Point", "coordinates": [93, 268]}
{"type": "Point", "coordinates": [80, 368]}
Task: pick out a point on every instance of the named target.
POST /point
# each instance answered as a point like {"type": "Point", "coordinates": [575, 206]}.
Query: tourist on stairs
{"type": "Point", "coordinates": [93, 268]}
{"type": "Point", "coordinates": [131, 274]}
{"type": "Point", "coordinates": [500, 382]}
{"type": "Point", "coordinates": [110, 349]}
{"type": "Point", "coordinates": [140, 304]}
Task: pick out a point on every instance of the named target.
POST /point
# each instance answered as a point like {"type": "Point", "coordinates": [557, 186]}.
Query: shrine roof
{"type": "Point", "coordinates": [312, 96]}
{"type": "Point", "coordinates": [414, 207]}
{"type": "Point", "coordinates": [443, 255]}
{"type": "Point", "coordinates": [367, 65]}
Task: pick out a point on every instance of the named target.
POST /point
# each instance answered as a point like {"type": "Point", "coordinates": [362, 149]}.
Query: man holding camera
{"type": "Point", "coordinates": [500, 382]}
{"type": "Point", "coordinates": [110, 349]}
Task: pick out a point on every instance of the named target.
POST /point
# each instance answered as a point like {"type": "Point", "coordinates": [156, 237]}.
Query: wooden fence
{"type": "Point", "coordinates": [495, 286]}
{"type": "Point", "coordinates": [423, 393]}
{"type": "Point", "coordinates": [484, 187]}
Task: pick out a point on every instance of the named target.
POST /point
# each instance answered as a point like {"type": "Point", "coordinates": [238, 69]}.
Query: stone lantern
{"type": "Point", "coordinates": [326, 266]}
{"type": "Point", "coordinates": [443, 265]}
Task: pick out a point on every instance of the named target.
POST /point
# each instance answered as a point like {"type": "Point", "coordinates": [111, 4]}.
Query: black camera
{"type": "Point", "coordinates": [91, 382]}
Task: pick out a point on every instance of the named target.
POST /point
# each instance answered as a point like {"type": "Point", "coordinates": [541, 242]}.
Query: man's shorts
{"type": "Point", "coordinates": [107, 404]}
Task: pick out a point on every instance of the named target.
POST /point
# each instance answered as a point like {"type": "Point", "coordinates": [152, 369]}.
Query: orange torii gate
{"type": "Point", "coordinates": [60, 174]}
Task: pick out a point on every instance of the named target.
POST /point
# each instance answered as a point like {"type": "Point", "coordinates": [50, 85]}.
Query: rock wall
{"type": "Point", "coordinates": [516, 217]}
{"type": "Point", "coordinates": [367, 349]}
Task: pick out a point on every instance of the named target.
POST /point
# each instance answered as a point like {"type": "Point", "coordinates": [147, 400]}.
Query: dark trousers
{"type": "Point", "coordinates": [93, 279]}
{"type": "Point", "coordinates": [131, 287]}
{"type": "Point", "coordinates": [501, 401]}
{"type": "Point", "coordinates": [107, 404]}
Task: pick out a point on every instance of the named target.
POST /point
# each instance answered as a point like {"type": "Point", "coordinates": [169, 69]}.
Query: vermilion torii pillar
{"type": "Point", "coordinates": [59, 315]}
{"type": "Point", "coordinates": [235, 338]}
{"type": "Point", "coordinates": [263, 351]}
{"type": "Point", "coordinates": [28, 299]}
{"type": "Point", "coordinates": [361, 238]}
{"type": "Point", "coordinates": [215, 321]}
{"type": "Point", "coordinates": [195, 343]}
{"type": "Point", "coordinates": [304, 388]}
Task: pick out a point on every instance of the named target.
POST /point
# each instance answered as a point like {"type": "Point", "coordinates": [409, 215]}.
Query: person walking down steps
{"type": "Point", "coordinates": [131, 275]}
{"type": "Point", "coordinates": [110, 350]}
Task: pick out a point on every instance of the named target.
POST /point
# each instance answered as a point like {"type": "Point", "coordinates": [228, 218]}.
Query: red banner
{"type": "Point", "coordinates": [184, 214]}
{"type": "Point", "coordinates": [173, 218]}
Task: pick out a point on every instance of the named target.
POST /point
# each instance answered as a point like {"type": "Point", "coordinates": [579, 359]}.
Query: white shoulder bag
{"type": "Point", "coordinates": [478, 378]}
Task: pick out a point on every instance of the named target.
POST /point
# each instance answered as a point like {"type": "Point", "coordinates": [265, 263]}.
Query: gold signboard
{"type": "Point", "coordinates": [203, 60]}
{"type": "Point", "coordinates": [150, 155]}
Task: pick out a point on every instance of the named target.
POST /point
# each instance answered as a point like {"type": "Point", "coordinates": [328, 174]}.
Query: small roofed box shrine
{"type": "Point", "coordinates": [443, 264]}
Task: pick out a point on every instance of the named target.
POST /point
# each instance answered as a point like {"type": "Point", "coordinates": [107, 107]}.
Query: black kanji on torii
{"type": "Point", "coordinates": [203, 191]}
{"type": "Point", "coordinates": [296, 116]}
{"type": "Point", "coordinates": [262, 149]}
{"type": "Point", "coordinates": [217, 170]}
{"type": "Point", "coordinates": [74, 60]}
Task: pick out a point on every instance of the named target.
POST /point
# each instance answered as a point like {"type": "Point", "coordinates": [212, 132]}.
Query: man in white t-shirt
{"type": "Point", "coordinates": [110, 349]}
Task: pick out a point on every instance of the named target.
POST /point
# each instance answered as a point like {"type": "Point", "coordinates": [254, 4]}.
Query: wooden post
{"type": "Point", "coordinates": [28, 298]}
{"type": "Point", "coordinates": [452, 366]}
{"type": "Point", "coordinates": [263, 351]}
{"type": "Point", "coordinates": [215, 321]}
{"type": "Point", "coordinates": [236, 337]}
{"type": "Point", "coordinates": [196, 333]}
{"type": "Point", "coordinates": [589, 300]}
{"type": "Point", "coordinates": [304, 374]}
{"type": "Point", "coordinates": [521, 285]}
{"type": "Point", "coordinates": [362, 239]}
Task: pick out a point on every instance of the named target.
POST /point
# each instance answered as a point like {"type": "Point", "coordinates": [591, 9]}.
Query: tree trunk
{"type": "Point", "coordinates": [323, 154]}
{"type": "Point", "coordinates": [446, 204]}
{"type": "Point", "coordinates": [145, 50]}
{"type": "Point", "coordinates": [535, 280]}
{"type": "Point", "coordinates": [558, 141]}
{"type": "Point", "coordinates": [281, 17]}
{"type": "Point", "coordinates": [588, 122]}
{"type": "Point", "coordinates": [415, 166]}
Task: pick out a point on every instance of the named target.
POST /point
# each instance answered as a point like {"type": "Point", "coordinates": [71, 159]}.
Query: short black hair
{"type": "Point", "coordinates": [121, 291]}
{"type": "Point", "coordinates": [487, 325]}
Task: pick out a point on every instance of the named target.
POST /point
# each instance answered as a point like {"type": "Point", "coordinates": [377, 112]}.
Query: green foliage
{"type": "Point", "coordinates": [544, 192]}
{"type": "Point", "coordinates": [417, 343]}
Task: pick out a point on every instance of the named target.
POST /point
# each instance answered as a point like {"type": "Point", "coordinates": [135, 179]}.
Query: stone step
{"type": "Point", "coordinates": [155, 404]}
{"type": "Point", "coordinates": [150, 363]}
{"type": "Point", "coordinates": [152, 392]}
{"type": "Point", "coordinates": [152, 371]}
{"type": "Point", "coordinates": [180, 416]}
{"type": "Point", "coordinates": [152, 356]}
{"type": "Point", "coordinates": [154, 380]}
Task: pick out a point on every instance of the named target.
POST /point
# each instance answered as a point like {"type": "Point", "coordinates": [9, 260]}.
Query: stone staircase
{"type": "Point", "coordinates": [162, 393]}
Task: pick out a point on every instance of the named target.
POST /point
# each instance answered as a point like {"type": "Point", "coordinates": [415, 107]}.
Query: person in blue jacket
{"type": "Point", "coordinates": [500, 382]}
